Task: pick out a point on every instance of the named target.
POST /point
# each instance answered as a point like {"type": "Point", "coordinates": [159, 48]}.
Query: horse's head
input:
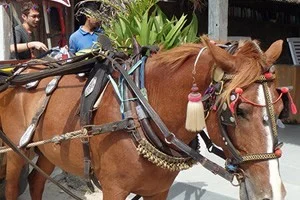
{"type": "Point", "coordinates": [247, 111]}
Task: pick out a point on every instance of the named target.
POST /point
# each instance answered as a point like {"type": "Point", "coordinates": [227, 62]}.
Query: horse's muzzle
{"type": "Point", "coordinates": [248, 192]}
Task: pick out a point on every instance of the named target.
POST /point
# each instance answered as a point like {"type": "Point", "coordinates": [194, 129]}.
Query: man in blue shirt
{"type": "Point", "coordinates": [86, 36]}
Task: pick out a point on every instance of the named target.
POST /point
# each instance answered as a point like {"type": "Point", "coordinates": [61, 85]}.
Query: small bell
{"type": "Point", "coordinates": [195, 120]}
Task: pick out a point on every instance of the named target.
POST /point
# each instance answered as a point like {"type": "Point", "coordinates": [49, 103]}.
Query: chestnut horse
{"type": "Point", "coordinates": [168, 79]}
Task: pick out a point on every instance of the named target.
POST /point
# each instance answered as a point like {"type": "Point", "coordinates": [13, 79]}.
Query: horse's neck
{"type": "Point", "coordinates": [168, 91]}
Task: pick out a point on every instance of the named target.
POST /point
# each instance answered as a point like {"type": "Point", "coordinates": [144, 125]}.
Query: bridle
{"type": "Point", "coordinates": [227, 114]}
{"type": "Point", "coordinates": [227, 117]}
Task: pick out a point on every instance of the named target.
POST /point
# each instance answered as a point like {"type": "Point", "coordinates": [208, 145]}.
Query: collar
{"type": "Point", "coordinates": [83, 32]}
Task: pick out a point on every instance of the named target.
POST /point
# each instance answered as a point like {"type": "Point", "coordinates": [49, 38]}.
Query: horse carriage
{"type": "Point", "coordinates": [131, 117]}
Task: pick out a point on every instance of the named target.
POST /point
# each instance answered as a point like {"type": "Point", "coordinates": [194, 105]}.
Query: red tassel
{"type": "Point", "coordinates": [293, 108]}
{"type": "Point", "coordinates": [292, 104]}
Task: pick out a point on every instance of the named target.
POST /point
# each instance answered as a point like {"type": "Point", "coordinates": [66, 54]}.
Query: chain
{"type": "Point", "coordinates": [270, 109]}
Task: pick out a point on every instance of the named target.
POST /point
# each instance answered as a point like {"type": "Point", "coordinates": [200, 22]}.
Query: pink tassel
{"type": "Point", "coordinates": [293, 106]}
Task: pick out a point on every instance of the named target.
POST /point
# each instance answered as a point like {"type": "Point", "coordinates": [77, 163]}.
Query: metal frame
{"type": "Point", "coordinates": [294, 46]}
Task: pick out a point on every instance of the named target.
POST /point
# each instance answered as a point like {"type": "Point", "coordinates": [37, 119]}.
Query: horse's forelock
{"type": "Point", "coordinates": [248, 70]}
{"type": "Point", "coordinates": [251, 49]}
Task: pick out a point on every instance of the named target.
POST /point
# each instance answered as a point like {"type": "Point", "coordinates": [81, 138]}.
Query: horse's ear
{"type": "Point", "coordinates": [274, 51]}
{"type": "Point", "coordinates": [223, 59]}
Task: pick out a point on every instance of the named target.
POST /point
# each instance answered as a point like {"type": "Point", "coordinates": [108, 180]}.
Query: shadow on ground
{"type": "Point", "coordinates": [193, 190]}
{"type": "Point", "coordinates": [290, 134]}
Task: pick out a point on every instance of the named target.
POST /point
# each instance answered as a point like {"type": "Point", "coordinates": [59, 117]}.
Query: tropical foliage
{"type": "Point", "coordinates": [143, 19]}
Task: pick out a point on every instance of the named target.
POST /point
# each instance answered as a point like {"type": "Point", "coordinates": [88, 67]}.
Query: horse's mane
{"type": "Point", "coordinates": [177, 56]}
{"type": "Point", "coordinates": [249, 62]}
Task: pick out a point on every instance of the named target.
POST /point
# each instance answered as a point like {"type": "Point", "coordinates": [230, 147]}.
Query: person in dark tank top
{"type": "Point", "coordinates": [25, 41]}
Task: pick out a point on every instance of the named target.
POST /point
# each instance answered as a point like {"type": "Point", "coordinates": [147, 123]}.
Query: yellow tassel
{"type": "Point", "coordinates": [195, 120]}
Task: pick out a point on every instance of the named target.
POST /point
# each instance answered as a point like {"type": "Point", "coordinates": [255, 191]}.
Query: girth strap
{"type": "Point", "coordinates": [91, 91]}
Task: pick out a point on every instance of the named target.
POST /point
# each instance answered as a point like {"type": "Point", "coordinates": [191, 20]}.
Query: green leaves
{"type": "Point", "coordinates": [145, 21]}
{"type": "Point", "coordinates": [175, 32]}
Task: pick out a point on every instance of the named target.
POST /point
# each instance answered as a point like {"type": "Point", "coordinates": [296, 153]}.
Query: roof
{"type": "Point", "coordinates": [288, 1]}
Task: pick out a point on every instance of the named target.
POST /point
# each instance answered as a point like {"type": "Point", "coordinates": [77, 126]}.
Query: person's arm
{"type": "Point", "coordinates": [37, 45]}
{"type": "Point", "coordinates": [72, 46]}
{"type": "Point", "coordinates": [21, 47]}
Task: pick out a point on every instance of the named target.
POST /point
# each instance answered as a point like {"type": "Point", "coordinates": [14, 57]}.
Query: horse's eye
{"type": "Point", "coordinates": [240, 112]}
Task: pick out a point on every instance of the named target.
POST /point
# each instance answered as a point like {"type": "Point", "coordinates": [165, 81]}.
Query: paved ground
{"type": "Point", "coordinates": [200, 184]}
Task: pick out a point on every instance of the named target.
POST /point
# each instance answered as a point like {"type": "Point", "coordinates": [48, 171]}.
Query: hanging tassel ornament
{"type": "Point", "coordinates": [195, 120]}
{"type": "Point", "coordinates": [292, 104]}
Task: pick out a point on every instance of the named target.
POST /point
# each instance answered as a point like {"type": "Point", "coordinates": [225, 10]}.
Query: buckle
{"type": "Point", "coordinates": [219, 87]}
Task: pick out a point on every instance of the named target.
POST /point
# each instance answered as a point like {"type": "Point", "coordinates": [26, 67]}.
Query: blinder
{"type": "Point", "coordinates": [226, 116]}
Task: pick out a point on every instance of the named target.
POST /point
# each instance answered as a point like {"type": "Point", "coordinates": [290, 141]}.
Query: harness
{"type": "Point", "coordinates": [133, 121]}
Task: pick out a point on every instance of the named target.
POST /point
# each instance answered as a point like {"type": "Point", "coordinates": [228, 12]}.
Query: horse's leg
{"type": "Point", "coordinates": [37, 180]}
{"type": "Point", "coordinates": [160, 196]}
{"type": "Point", "coordinates": [13, 170]}
{"type": "Point", "coordinates": [114, 193]}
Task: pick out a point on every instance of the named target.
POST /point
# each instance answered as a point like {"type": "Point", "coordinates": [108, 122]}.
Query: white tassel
{"type": "Point", "coordinates": [195, 120]}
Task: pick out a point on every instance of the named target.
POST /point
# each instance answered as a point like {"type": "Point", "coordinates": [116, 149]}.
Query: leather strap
{"type": "Point", "coordinates": [7, 141]}
{"type": "Point", "coordinates": [211, 147]}
{"type": "Point", "coordinates": [26, 138]}
{"type": "Point", "coordinates": [170, 137]}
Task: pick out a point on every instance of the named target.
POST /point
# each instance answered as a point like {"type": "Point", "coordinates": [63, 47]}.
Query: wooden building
{"type": "Point", "coordinates": [264, 20]}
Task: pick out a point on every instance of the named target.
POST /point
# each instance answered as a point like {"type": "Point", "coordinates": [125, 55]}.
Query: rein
{"type": "Point", "coordinates": [22, 155]}
{"type": "Point", "coordinates": [170, 138]}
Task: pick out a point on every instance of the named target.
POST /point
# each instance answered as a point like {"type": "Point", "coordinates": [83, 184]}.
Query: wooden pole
{"type": "Point", "coordinates": [5, 27]}
{"type": "Point", "coordinates": [218, 19]}
{"type": "Point", "coordinates": [47, 24]}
